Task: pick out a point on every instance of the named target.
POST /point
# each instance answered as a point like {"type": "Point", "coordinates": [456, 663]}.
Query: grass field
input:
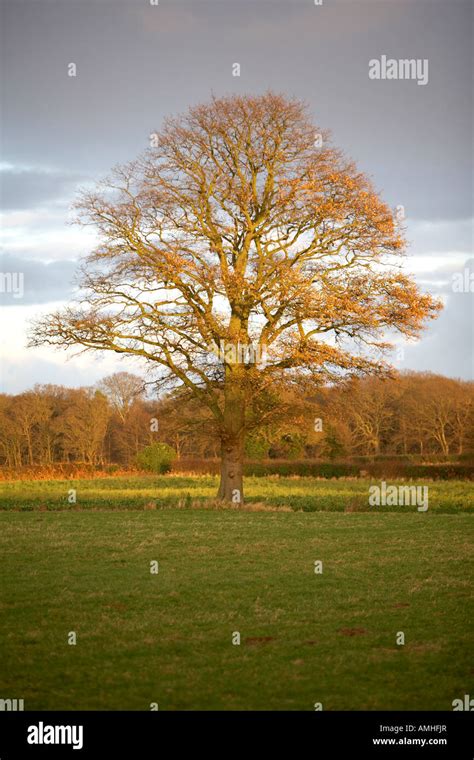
{"type": "Point", "coordinates": [298, 493]}
{"type": "Point", "coordinates": [167, 637]}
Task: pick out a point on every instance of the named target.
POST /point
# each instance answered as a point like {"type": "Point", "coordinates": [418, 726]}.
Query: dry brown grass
{"type": "Point", "coordinates": [215, 504]}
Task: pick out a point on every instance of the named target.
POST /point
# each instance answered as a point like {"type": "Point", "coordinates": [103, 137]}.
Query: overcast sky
{"type": "Point", "coordinates": [137, 62]}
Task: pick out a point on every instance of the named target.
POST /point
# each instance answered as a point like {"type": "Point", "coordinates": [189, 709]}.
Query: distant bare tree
{"type": "Point", "coordinates": [122, 389]}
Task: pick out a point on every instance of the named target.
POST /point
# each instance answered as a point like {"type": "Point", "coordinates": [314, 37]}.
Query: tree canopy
{"type": "Point", "coordinates": [241, 226]}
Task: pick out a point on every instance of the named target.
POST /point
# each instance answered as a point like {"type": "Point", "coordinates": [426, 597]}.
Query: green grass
{"type": "Point", "coordinates": [307, 494]}
{"type": "Point", "coordinates": [166, 638]}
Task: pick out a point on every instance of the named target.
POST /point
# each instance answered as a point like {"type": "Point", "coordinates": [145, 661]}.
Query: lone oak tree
{"type": "Point", "coordinates": [241, 226]}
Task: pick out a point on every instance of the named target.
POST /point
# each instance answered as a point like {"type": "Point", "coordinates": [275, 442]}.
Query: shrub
{"type": "Point", "coordinates": [302, 468]}
{"type": "Point", "coordinates": [158, 458]}
{"type": "Point", "coordinates": [256, 448]}
{"type": "Point", "coordinates": [290, 447]}
{"type": "Point", "coordinates": [362, 467]}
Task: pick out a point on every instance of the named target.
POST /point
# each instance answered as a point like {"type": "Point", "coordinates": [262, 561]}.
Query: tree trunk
{"type": "Point", "coordinates": [231, 484]}
{"type": "Point", "coordinates": [30, 447]}
{"type": "Point", "coordinates": [232, 439]}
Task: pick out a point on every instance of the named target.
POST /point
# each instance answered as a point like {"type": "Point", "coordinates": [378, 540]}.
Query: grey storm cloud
{"type": "Point", "coordinates": [427, 238]}
{"type": "Point", "coordinates": [138, 63]}
{"type": "Point", "coordinates": [24, 281]}
{"type": "Point", "coordinates": [30, 187]}
{"type": "Point", "coordinates": [447, 346]}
